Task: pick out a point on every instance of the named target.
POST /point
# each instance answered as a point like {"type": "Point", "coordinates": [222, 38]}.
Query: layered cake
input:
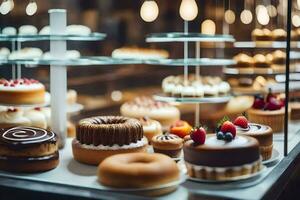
{"type": "Point", "coordinates": [279, 34]}
{"type": "Point", "coordinates": [221, 156]}
{"type": "Point", "coordinates": [243, 60]}
{"type": "Point", "coordinates": [27, 149]}
{"type": "Point", "coordinates": [195, 86]}
{"type": "Point", "coordinates": [103, 136]}
{"type": "Point", "coordinates": [168, 144]}
{"type": "Point", "coordinates": [140, 107]}
{"type": "Point", "coordinates": [295, 110]}
{"type": "Point", "coordinates": [139, 53]}
{"type": "Point", "coordinates": [263, 134]}
{"type": "Point", "coordinates": [268, 111]}
{"type": "Point", "coordinates": [22, 91]}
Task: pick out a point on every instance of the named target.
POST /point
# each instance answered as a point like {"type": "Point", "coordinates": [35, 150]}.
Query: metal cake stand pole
{"type": "Point", "coordinates": [197, 73]}
{"type": "Point", "coordinates": [19, 68]}
{"type": "Point", "coordinates": [13, 67]}
{"type": "Point", "coordinates": [58, 76]}
{"type": "Point", "coordinates": [186, 54]}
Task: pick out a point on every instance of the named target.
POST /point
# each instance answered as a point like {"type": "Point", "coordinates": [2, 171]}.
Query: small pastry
{"type": "Point", "coordinates": [139, 53]}
{"type": "Point", "coordinates": [168, 144]}
{"type": "Point", "coordinates": [71, 129]}
{"type": "Point", "coordinates": [13, 117]}
{"type": "Point", "coordinates": [180, 128]}
{"type": "Point", "coordinates": [150, 128]}
{"type": "Point", "coordinates": [27, 149]}
{"type": "Point", "coordinates": [71, 97]}
{"type": "Point", "coordinates": [45, 30]}
{"type": "Point", "coordinates": [75, 29]}
{"type": "Point", "coordinates": [26, 53]}
{"type": "Point", "coordinates": [27, 30]}
{"type": "Point", "coordinates": [261, 35]}
{"type": "Point", "coordinates": [4, 53]}
{"type": "Point", "coordinates": [279, 34]}
{"type": "Point", "coordinates": [260, 61]}
{"type": "Point", "coordinates": [70, 54]}
{"type": "Point", "coordinates": [9, 30]}
{"type": "Point", "coordinates": [243, 60]}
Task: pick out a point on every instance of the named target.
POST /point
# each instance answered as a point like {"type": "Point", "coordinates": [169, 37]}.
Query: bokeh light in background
{"type": "Point", "coordinates": [229, 17]}
{"type": "Point", "coordinates": [6, 6]}
{"type": "Point", "coordinates": [149, 11]}
{"type": "Point", "coordinates": [272, 11]}
{"type": "Point", "coordinates": [188, 10]}
{"type": "Point", "coordinates": [296, 20]}
{"type": "Point", "coordinates": [208, 27]}
{"type": "Point", "coordinates": [262, 15]}
{"type": "Point", "coordinates": [246, 17]}
{"type": "Point", "coordinates": [31, 8]}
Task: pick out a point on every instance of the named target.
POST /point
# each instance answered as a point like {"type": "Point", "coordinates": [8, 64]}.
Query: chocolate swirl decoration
{"type": "Point", "coordinates": [165, 137]}
{"type": "Point", "coordinates": [26, 135]}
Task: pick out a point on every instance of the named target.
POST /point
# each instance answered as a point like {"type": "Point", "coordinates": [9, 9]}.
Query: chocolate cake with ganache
{"type": "Point", "coordinates": [28, 149]}
{"type": "Point", "coordinates": [103, 136]}
{"type": "Point", "coordinates": [219, 159]}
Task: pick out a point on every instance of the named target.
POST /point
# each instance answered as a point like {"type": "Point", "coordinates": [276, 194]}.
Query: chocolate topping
{"type": "Point", "coordinates": [25, 136]}
{"type": "Point", "coordinates": [109, 130]}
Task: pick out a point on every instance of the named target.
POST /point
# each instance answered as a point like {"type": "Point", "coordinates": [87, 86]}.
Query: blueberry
{"type": "Point", "coordinates": [228, 136]}
{"type": "Point", "coordinates": [220, 135]}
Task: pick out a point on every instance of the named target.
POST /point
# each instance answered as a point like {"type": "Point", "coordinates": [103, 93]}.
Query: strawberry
{"type": "Point", "coordinates": [270, 95]}
{"type": "Point", "coordinates": [228, 127]}
{"type": "Point", "coordinates": [259, 103]}
{"type": "Point", "coordinates": [273, 104]}
{"type": "Point", "coordinates": [241, 121]}
{"type": "Point", "coordinates": [198, 135]}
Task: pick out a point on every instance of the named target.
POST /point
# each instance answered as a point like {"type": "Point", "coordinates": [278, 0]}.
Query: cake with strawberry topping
{"type": "Point", "coordinates": [268, 111]}
{"type": "Point", "coordinates": [263, 134]}
{"type": "Point", "coordinates": [21, 91]}
{"type": "Point", "coordinates": [221, 157]}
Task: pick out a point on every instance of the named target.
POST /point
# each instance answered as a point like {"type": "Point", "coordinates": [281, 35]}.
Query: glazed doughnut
{"type": "Point", "coordinates": [137, 170]}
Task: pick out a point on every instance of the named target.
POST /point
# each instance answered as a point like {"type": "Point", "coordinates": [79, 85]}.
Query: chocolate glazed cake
{"type": "Point", "coordinates": [103, 136]}
{"type": "Point", "coordinates": [220, 160]}
{"type": "Point", "coordinates": [27, 149]}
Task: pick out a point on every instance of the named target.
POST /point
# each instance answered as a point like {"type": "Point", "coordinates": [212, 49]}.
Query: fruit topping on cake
{"type": "Point", "coordinates": [241, 121]}
{"type": "Point", "coordinates": [180, 128]}
{"type": "Point", "coordinates": [198, 135]}
{"type": "Point", "coordinates": [271, 102]}
{"type": "Point", "coordinates": [226, 130]}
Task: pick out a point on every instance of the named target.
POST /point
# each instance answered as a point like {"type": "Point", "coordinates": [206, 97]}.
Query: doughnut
{"type": "Point", "coordinates": [27, 149]}
{"type": "Point", "coordinates": [103, 136]}
{"type": "Point", "coordinates": [137, 170]}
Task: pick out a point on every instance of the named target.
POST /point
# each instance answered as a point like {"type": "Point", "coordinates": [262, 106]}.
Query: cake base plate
{"type": "Point", "coordinates": [274, 157]}
{"type": "Point", "coordinates": [232, 179]}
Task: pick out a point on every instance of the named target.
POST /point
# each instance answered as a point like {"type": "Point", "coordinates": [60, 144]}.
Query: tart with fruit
{"type": "Point", "coordinates": [263, 134]}
{"type": "Point", "coordinates": [21, 91]}
{"type": "Point", "coordinates": [180, 128]}
{"type": "Point", "coordinates": [221, 156]}
{"type": "Point", "coordinates": [268, 111]}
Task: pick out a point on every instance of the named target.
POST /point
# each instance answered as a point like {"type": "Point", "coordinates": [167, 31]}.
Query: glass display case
{"type": "Point", "coordinates": [214, 83]}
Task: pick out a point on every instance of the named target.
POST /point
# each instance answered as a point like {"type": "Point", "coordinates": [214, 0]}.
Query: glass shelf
{"type": "Point", "coordinates": [192, 62]}
{"type": "Point", "coordinates": [265, 44]}
{"type": "Point", "coordinates": [250, 72]}
{"type": "Point", "coordinates": [24, 38]}
{"type": "Point", "coordinates": [83, 61]}
{"type": "Point", "coordinates": [191, 100]}
{"type": "Point", "coordinates": [188, 37]}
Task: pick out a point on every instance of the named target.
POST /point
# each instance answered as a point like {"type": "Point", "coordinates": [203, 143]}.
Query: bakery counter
{"type": "Point", "coordinates": [78, 181]}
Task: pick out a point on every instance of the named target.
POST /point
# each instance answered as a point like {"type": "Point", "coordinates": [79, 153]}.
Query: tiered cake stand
{"type": "Point", "coordinates": [187, 62]}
